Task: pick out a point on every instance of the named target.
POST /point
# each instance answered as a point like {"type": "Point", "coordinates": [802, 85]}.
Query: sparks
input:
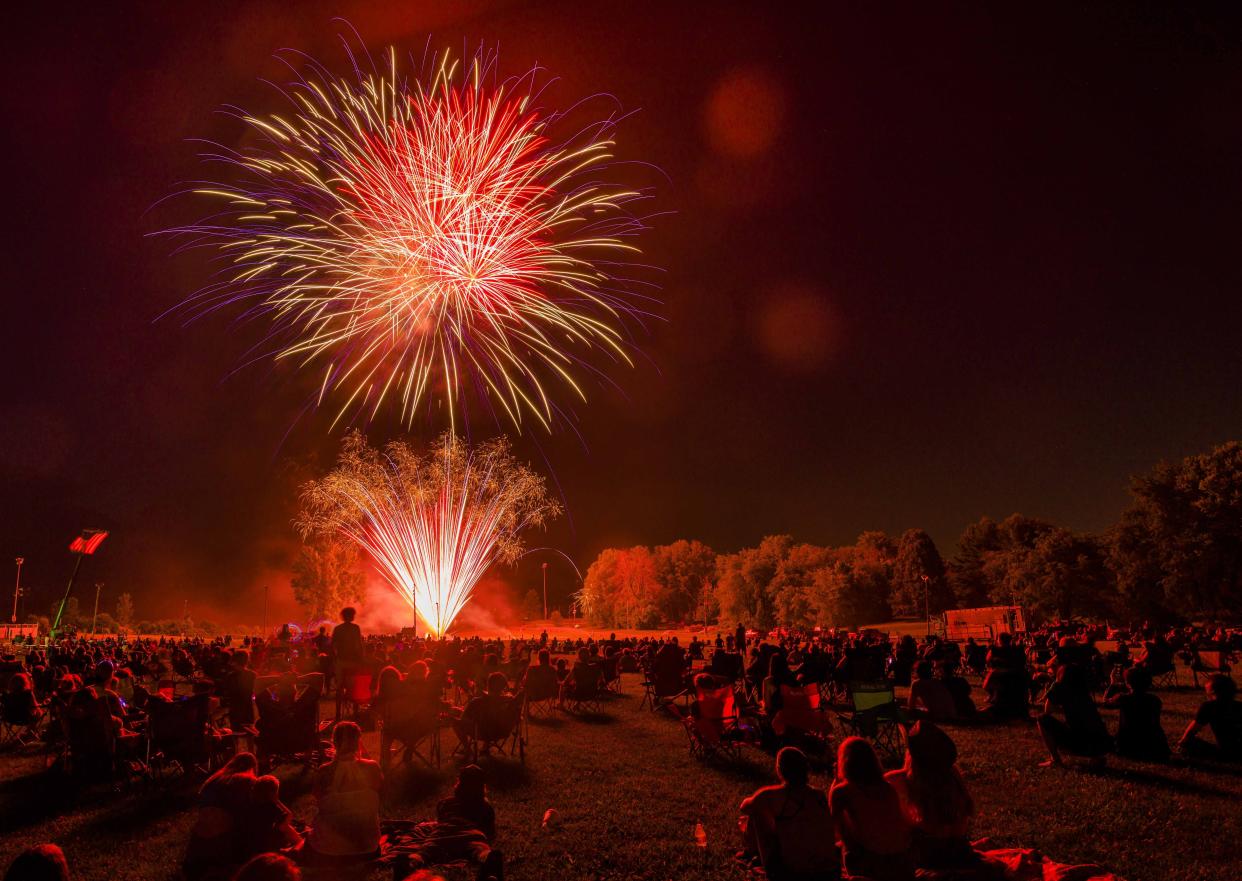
{"type": "Point", "coordinates": [422, 242]}
{"type": "Point", "coordinates": [431, 522]}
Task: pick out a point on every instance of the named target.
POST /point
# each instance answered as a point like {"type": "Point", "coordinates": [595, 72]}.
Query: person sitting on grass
{"type": "Point", "coordinates": [959, 689]}
{"type": "Point", "coordinates": [1006, 681]}
{"type": "Point", "coordinates": [464, 829]}
{"type": "Point", "coordinates": [1139, 732]}
{"type": "Point", "coordinates": [783, 826]}
{"type": "Point", "coordinates": [268, 823]}
{"type": "Point", "coordinates": [43, 862]}
{"type": "Point", "coordinates": [216, 839]}
{"type": "Point", "coordinates": [871, 826]}
{"type": "Point", "coordinates": [1222, 713]}
{"type": "Point", "coordinates": [346, 829]}
{"type": "Point", "coordinates": [929, 697]}
{"type": "Point", "coordinates": [936, 802]}
{"type": "Point", "coordinates": [1083, 731]}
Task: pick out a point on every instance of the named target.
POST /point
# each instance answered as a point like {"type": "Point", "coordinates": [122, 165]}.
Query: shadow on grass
{"type": "Point", "coordinates": [413, 782]}
{"type": "Point", "coordinates": [595, 718]}
{"type": "Point", "coordinates": [33, 799]}
{"type": "Point", "coordinates": [505, 775]}
{"type": "Point", "coordinates": [1159, 781]}
{"type": "Point", "coordinates": [551, 722]}
{"type": "Point", "coordinates": [146, 808]}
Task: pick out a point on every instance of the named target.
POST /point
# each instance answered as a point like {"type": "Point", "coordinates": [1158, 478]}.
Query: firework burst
{"type": "Point", "coordinates": [431, 522]}
{"type": "Point", "coordinates": [421, 242]}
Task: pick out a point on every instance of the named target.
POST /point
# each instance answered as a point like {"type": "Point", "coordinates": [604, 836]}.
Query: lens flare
{"type": "Point", "coordinates": [431, 522]}
{"type": "Point", "coordinates": [424, 243]}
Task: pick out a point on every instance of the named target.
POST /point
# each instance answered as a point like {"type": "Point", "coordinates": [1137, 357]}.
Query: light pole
{"type": "Point", "coordinates": [17, 591]}
{"type": "Point", "coordinates": [926, 605]}
{"type": "Point", "coordinates": [95, 618]}
{"type": "Point", "coordinates": [545, 591]}
{"type": "Point", "coordinates": [265, 611]}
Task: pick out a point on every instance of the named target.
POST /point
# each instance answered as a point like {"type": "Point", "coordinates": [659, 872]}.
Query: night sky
{"type": "Point", "coordinates": [918, 266]}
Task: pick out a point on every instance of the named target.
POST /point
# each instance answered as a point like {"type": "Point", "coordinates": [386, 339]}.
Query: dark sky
{"type": "Point", "coordinates": [921, 265]}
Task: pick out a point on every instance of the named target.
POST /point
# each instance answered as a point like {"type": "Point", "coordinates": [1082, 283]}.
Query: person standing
{"type": "Point", "coordinates": [347, 652]}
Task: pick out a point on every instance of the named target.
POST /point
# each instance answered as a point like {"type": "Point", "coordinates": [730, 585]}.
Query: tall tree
{"type": "Point", "coordinates": [621, 589]}
{"type": "Point", "coordinates": [791, 585]}
{"type": "Point", "coordinates": [532, 605]}
{"type": "Point", "coordinates": [1179, 546]}
{"type": "Point", "coordinates": [684, 569]}
{"type": "Point", "coordinates": [845, 595]}
{"type": "Point", "coordinates": [125, 612]}
{"type": "Point", "coordinates": [918, 558]}
{"type": "Point", "coordinates": [1061, 574]}
{"type": "Point", "coordinates": [326, 577]}
{"type": "Point", "coordinates": [743, 580]}
{"type": "Point", "coordinates": [966, 579]}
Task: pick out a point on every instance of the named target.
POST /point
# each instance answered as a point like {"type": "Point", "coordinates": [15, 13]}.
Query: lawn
{"type": "Point", "coordinates": [628, 796]}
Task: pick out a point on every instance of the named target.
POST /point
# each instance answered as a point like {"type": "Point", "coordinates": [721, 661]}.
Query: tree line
{"type": "Point", "coordinates": [1175, 553]}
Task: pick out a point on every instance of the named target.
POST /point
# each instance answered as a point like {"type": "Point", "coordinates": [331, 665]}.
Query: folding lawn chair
{"type": "Point", "coordinates": [504, 731]}
{"type": "Point", "coordinates": [413, 725]}
{"type": "Point", "coordinates": [875, 714]}
{"type": "Point", "coordinates": [542, 691]}
{"type": "Point", "coordinates": [1207, 663]}
{"type": "Point", "coordinates": [712, 723]}
{"type": "Point", "coordinates": [19, 724]}
{"type": "Point", "coordinates": [802, 712]}
{"type": "Point", "coordinates": [663, 690]}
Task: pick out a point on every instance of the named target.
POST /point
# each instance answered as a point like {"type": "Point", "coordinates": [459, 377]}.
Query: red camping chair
{"type": "Point", "coordinates": [1206, 663]}
{"type": "Point", "coordinates": [711, 724]}
{"type": "Point", "coordinates": [802, 712]}
{"type": "Point", "coordinates": [355, 691]}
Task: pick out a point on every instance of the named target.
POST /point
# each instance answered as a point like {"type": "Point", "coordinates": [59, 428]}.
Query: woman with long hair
{"type": "Point", "coordinates": [866, 811]}
{"type": "Point", "coordinates": [346, 829]}
{"type": "Point", "coordinates": [216, 839]}
{"type": "Point", "coordinates": [934, 799]}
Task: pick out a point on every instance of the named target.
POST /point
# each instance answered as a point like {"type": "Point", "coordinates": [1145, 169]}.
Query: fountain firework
{"type": "Point", "coordinates": [432, 521]}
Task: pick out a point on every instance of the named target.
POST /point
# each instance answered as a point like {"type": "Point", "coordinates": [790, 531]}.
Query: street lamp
{"type": "Point", "coordinates": [17, 591]}
{"type": "Point", "coordinates": [545, 591]}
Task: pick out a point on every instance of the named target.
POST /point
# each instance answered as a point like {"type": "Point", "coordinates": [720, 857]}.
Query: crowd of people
{"type": "Point", "coordinates": [109, 709]}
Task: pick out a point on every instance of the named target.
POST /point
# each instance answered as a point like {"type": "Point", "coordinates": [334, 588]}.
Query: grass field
{"type": "Point", "coordinates": [628, 796]}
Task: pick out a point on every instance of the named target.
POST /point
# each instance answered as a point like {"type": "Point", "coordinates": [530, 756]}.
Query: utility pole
{"type": "Point", "coordinates": [95, 618]}
{"type": "Point", "coordinates": [545, 591]}
{"type": "Point", "coordinates": [926, 605]}
{"type": "Point", "coordinates": [17, 591]}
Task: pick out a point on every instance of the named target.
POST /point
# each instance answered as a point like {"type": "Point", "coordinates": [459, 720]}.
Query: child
{"type": "Point", "coordinates": [269, 823]}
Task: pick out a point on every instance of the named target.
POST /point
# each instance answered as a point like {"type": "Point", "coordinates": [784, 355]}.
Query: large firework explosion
{"type": "Point", "coordinates": [425, 241]}
{"type": "Point", "coordinates": [432, 521]}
